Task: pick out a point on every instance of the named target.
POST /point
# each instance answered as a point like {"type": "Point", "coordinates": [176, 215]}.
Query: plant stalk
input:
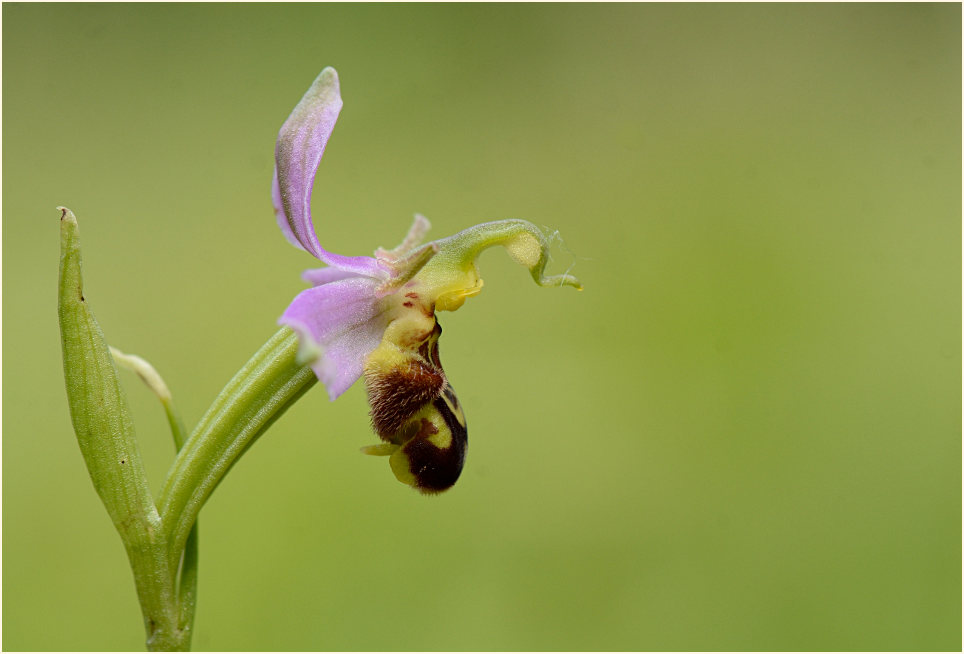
{"type": "Point", "coordinates": [257, 396]}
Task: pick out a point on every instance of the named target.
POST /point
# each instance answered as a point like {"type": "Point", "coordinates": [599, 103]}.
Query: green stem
{"type": "Point", "coordinates": [142, 560]}
{"type": "Point", "coordinates": [105, 433]}
{"type": "Point", "coordinates": [187, 587]}
{"type": "Point", "coordinates": [187, 575]}
{"type": "Point", "coordinates": [154, 580]}
{"type": "Point", "coordinates": [257, 395]}
{"type": "Point", "coordinates": [161, 542]}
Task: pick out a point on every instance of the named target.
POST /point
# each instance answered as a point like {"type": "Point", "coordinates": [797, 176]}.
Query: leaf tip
{"type": "Point", "coordinates": [67, 215]}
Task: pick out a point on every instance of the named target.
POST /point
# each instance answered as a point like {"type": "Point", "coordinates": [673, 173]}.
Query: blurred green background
{"type": "Point", "coordinates": [744, 434]}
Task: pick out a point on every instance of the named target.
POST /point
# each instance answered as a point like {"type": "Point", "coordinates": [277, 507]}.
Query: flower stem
{"type": "Point", "coordinates": [187, 575]}
{"type": "Point", "coordinates": [161, 542]}
{"type": "Point", "coordinates": [154, 580]}
{"type": "Point", "coordinates": [257, 396]}
{"type": "Point", "coordinates": [105, 433]}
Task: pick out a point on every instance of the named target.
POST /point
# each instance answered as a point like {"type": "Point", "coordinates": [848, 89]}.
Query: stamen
{"type": "Point", "coordinates": [404, 269]}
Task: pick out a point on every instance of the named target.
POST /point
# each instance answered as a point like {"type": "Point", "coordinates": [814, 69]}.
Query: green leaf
{"type": "Point", "coordinates": [98, 408]}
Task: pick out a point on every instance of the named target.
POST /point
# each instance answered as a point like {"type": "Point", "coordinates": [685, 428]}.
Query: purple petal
{"type": "Point", "coordinates": [346, 321]}
{"type": "Point", "coordinates": [301, 143]}
{"type": "Point", "coordinates": [319, 276]}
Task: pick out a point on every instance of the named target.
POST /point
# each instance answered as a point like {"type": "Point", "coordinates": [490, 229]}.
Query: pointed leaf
{"type": "Point", "coordinates": [98, 407]}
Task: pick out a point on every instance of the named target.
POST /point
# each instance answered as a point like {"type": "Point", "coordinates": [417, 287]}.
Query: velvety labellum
{"type": "Point", "coordinates": [417, 414]}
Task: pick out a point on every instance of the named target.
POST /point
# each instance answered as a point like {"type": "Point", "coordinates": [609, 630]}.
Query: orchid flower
{"type": "Point", "coordinates": [371, 317]}
{"type": "Point", "coordinates": [375, 316]}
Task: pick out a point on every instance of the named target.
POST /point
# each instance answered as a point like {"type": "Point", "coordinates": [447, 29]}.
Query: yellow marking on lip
{"type": "Point", "coordinates": [452, 300]}
{"type": "Point", "coordinates": [401, 468]}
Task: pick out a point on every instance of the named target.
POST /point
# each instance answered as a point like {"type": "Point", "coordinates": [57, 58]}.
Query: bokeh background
{"type": "Point", "coordinates": [744, 434]}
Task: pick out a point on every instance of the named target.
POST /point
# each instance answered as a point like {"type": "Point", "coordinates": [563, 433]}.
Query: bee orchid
{"type": "Point", "coordinates": [376, 316]}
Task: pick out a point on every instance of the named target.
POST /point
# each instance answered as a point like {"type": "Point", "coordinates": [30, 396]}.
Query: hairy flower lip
{"type": "Point", "coordinates": [416, 413]}
{"type": "Point", "coordinates": [375, 316]}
